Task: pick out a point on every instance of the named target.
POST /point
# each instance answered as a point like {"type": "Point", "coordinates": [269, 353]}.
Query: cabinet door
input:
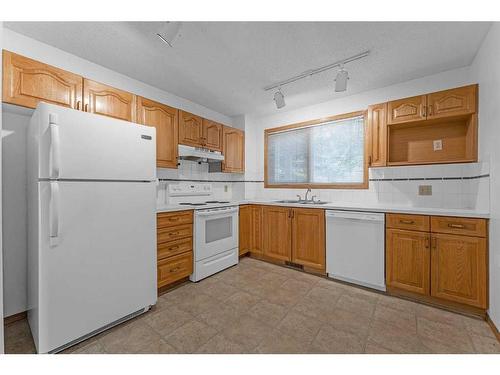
{"type": "Point", "coordinates": [276, 230]}
{"type": "Point", "coordinates": [377, 130]}
{"type": "Point", "coordinates": [245, 229]}
{"type": "Point", "coordinates": [406, 110]}
{"type": "Point", "coordinates": [234, 150]}
{"type": "Point", "coordinates": [408, 261]}
{"type": "Point", "coordinates": [190, 129]}
{"type": "Point", "coordinates": [165, 120]}
{"type": "Point", "coordinates": [212, 135]}
{"type": "Point", "coordinates": [308, 237]}
{"type": "Point", "coordinates": [454, 102]}
{"type": "Point", "coordinates": [27, 82]}
{"type": "Point", "coordinates": [108, 101]}
{"type": "Point", "coordinates": [459, 269]}
{"type": "Point", "coordinates": [256, 246]}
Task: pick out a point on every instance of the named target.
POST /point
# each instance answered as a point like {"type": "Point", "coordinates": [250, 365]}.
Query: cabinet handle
{"type": "Point", "coordinates": [78, 104]}
{"type": "Point", "coordinates": [402, 221]}
{"type": "Point", "coordinates": [173, 247]}
{"type": "Point", "coordinates": [370, 160]}
{"type": "Point", "coordinates": [456, 226]}
{"type": "Point", "coordinates": [430, 109]}
{"type": "Point", "coordinates": [175, 269]}
{"type": "Point", "coordinates": [424, 111]}
{"type": "Point", "coordinates": [86, 107]}
{"type": "Point", "coordinates": [173, 219]}
{"type": "Point", "coordinates": [434, 242]}
{"type": "Point", "coordinates": [427, 243]}
{"type": "Point", "coordinates": [173, 233]}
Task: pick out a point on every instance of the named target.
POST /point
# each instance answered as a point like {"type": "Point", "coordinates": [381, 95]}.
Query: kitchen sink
{"type": "Point", "coordinates": [300, 202]}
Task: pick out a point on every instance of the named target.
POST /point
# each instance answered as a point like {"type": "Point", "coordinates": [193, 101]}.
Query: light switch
{"type": "Point", "coordinates": [437, 145]}
{"type": "Point", "coordinates": [424, 189]}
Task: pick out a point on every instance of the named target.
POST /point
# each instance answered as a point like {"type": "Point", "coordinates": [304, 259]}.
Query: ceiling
{"type": "Point", "coordinates": [225, 65]}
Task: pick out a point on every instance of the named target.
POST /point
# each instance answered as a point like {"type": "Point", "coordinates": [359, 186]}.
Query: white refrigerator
{"type": "Point", "coordinates": [92, 224]}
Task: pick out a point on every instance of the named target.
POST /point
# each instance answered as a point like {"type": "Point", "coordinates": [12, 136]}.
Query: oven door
{"type": "Point", "coordinates": [216, 231]}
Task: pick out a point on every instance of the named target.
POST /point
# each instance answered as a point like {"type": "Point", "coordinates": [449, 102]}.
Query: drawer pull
{"type": "Point", "coordinates": [173, 219]}
{"type": "Point", "coordinates": [175, 269]}
{"type": "Point", "coordinates": [173, 233]}
{"type": "Point", "coordinates": [456, 226]}
{"type": "Point", "coordinates": [407, 221]}
{"type": "Point", "coordinates": [173, 247]}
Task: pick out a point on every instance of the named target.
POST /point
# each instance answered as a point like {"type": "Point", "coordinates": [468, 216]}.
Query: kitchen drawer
{"type": "Point", "coordinates": [171, 248]}
{"type": "Point", "coordinates": [174, 233]}
{"type": "Point", "coordinates": [408, 222]}
{"type": "Point", "coordinates": [458, 225]}
{"type": "Point", "coordinates": [169, 219]}
{"type": "Point", "coordinates": [174, 268]}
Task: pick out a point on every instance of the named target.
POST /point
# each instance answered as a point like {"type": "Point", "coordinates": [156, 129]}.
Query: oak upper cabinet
{"type": "Point", "coordinates": [107, 101]}
{"type": "Point", "coordinates": [190, 129]}
{"type": "Point", "coordinates": [165, 120]}
{"type": "Point", "coordinates": [245, 229]}
{"type": "Point", "coordinates": [407, 110]}
{"type": "Point", "coordinates": [377, 130]}
{"type": "Point", "coordinates": [233, 148]}
{"type": "Point", "coordinates": [27, 82]}
{"type": "Point", "coordinates": [459, 269]}
{"type": "Point", "coordinates": [454, 102]}
{"type": "Point", "coordinates": [308, 237]}
{"type": "Point", "coordinates": [408, 260]}
{"type": "Point", "coordinates": [277, 232]}
{"type": "Point", "coordinates": [212, 135]}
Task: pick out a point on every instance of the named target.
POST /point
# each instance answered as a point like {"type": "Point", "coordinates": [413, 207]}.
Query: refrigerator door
{"type": "Point", "coordinates": [97, 257]}
{"type": "Point", "coordinates": [78, 145]}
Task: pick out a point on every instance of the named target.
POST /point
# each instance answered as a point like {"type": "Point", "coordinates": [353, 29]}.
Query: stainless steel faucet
{"type": "Point", "coordinates": [307, 193]}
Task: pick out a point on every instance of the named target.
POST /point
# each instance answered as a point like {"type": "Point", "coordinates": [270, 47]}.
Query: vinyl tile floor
{"type": "Point", "coordinates": [257, 307]}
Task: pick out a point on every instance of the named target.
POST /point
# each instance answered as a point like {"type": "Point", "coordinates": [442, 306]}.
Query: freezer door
{"type": "Point", "coordinates": [78, 145]}
{"type": "Point", "coordinates": [97, 257]}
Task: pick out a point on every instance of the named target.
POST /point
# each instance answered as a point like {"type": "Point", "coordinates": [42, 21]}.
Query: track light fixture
{"type": "Point", "coordinates": [169, 32]}
{"type": "Point", "coordinates": [279, 99]}
{"type": "Point", "coordinates": [340, 81]}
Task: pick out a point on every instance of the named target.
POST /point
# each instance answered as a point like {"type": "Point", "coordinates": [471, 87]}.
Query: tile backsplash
{"type": "Point", "coordinates": [460, 186]}
{"type": "Point", "coordinates": [226, 186]}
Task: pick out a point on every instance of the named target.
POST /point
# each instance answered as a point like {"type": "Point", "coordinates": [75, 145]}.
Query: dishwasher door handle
{"type": "Point", "coordinates": [358, 217]}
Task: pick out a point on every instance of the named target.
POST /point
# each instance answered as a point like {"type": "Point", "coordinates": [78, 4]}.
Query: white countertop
{"type": "Point", "coordinates": [346, 207]}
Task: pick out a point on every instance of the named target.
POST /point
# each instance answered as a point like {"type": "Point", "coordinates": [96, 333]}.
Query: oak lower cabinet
{"type": "Point", "coordinates": [233, 148]}
{"type": "Point", "coordinates": [295, 235]}
{"type": "Point", "coordinates": [27, 82]}
{"type": "Point", "coordinates": [245, 229]}
{"type": "Point", "coordinates": [174, 246]}
{"type": "Point", "coordinates": [459, 269]}
{"type": "Point", "coordinates": [408, 260]}
{"type": "Point", "coordinates": [444, 260]}
{"type": "Point", "coordinates": [165, 120]}
{"type": "Point", "coordinates": [277, 232]}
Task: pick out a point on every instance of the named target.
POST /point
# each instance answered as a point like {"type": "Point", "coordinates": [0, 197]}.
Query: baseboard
{"type": "Point", "coordinates": [493, 327]}
{"type": "Point", "coordinates": [14, 318]}
{"type": "Point", "coordinates": [174, 285]}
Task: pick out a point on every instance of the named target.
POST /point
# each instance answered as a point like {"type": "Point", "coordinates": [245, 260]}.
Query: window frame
{"type": "Point", "coordinates": [320, 121]}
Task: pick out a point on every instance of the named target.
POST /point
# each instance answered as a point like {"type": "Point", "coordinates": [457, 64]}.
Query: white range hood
{"type": "Point", "coordinates": [199, 154]}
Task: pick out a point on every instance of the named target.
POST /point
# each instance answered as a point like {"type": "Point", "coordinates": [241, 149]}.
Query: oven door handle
{"type": "Point", "coordinates": [217, 212]}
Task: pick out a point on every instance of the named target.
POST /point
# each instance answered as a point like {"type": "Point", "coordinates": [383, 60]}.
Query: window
{"type": "Point", "coordinates": [327, 153]}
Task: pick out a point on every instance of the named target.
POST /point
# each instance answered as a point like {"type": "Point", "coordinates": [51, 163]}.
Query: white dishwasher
{"type": "Point", "coordinates": [355, 247]}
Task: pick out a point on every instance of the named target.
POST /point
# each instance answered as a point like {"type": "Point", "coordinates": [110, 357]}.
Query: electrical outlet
{"type": "Point", "coordinates": [225, 188]}
{"type": "Point", "coordinates": [424, 189]}
{"type": "Point", "coordinates": [437, 145]}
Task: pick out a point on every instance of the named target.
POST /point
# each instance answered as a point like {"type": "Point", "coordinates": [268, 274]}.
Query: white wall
{"type": "Point", "coordinates": [471, 194]}
{"type": "Point", "coordinates": [485, 69]}
{"type": "Point", "coordinates": [15, 122]}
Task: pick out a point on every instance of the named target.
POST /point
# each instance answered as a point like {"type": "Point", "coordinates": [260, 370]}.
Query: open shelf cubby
{"type": "Point", "coordinates": [413, 143]}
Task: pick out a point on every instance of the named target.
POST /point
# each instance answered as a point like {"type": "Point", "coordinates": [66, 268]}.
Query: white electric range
{"type": "Point", "coordinates": [215, 227]}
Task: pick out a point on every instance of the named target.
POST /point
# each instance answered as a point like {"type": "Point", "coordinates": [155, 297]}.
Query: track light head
{"type": "Point", "coordinates": [279, 99]}
{"type": "Point", "coordinates": [169, 32]}
{"type": "Point", "coordinates": [341, 80]}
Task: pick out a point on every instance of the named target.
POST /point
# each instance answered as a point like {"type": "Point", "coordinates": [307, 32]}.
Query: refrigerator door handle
{"type": "Point", "coordinates": [54, 213]}
{"type": "Point", "coordinates": [54, 147]}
